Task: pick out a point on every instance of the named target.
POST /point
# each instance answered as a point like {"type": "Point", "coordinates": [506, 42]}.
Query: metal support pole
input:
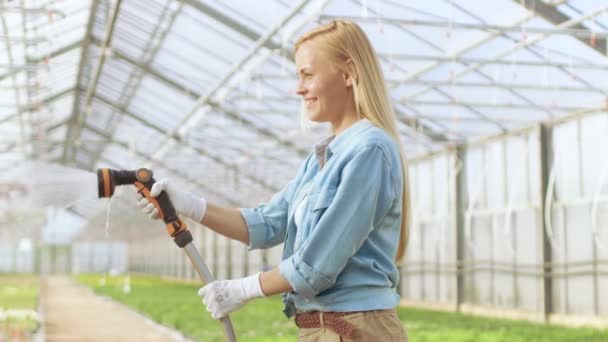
{"type": "Point", "coordinates": [545, 162]}
{"type": "Point", "coordinates": [459, 203]}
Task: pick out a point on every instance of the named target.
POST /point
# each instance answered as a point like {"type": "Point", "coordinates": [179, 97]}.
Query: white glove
{"type": "Point", "coordinates": [224, 296]}
{"type": "Point", "coordinates": [186, 203]}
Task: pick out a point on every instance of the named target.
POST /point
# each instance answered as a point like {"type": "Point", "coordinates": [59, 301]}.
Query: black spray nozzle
{"type": "Point", "coordinates": [108, 179]}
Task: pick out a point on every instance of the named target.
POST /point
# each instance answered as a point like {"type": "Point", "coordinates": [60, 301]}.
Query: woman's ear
{"type": "Point", "coordinates": [350, 75]}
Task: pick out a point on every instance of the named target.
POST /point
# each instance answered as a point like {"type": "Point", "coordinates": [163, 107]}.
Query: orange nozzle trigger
{"type": "Point", "coordinates": [146, 193]}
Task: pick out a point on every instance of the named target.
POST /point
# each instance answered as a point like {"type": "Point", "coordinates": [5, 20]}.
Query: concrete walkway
{"type": "Point", "coordinates": [72, 312]}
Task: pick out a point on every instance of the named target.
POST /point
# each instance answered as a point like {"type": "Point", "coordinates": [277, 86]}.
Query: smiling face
{"type": "Point", "coordinates": [326, 91]}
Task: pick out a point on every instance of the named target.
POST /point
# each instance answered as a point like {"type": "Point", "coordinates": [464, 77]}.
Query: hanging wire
{"type": "Point", "coordinates": [513, 67]}
{"type": "Point", "coordinates": [379, 18]}
{"type": "Point", "coordinates": [508, 228]}
{"type": "Point", "coordinates": [545, 67]}
{"type": "Point", "coordinates": [450, 21]}
{"type": "Point", "coordinates": [548, 201]}
{"type": "Point", "coordinates": [364, 12]}
{"type": "Point", "coordinates": [391, 62]}
{"type": "Point", "coordinates": [468, 215]}
{"type": "Point", "coordinates": [283, 52]}
{"type": "Point", "coordinates": [455, 108]}
{"type": "Point", "coordinates": [497, 74]}
{"type": "Point", "coordinates": [570, 68]}
{"type": "Point", "coordinates": [594, 208]}
{"type": "Point", "coordinates": [259, 95]}
{"type": "Point", "coordinates": [441, 232]}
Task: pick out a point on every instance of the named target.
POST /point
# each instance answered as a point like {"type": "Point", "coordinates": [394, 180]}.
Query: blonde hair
{"type": "Point", "coordinates": [349, 49]}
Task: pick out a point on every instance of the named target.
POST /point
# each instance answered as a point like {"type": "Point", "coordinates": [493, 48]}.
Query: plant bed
{"type": "Point", "coordinates": [175, 304]}
{"type": "Point", "coordinates": [19, 319]}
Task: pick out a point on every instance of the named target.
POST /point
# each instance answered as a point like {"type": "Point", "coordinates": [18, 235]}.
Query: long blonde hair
{"type": "Point", "coordinates": [348, 47]}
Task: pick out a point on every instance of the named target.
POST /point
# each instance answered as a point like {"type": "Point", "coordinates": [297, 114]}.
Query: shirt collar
{"type": "Point", "coordinates": [334, 144]}
{"type": "Point", "coordinates": [321, 151]}
{"type": "Point", "coordinates": [342, 140]}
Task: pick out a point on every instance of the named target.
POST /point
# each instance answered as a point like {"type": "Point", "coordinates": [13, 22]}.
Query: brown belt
{"type": "Point", "coordinates": [330, 320]}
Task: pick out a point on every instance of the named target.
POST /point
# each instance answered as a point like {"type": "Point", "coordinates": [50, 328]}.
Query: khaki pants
{"type": "Point", "coordinates": [371, 326]}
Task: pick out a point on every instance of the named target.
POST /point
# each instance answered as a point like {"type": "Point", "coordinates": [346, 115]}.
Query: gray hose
{"type": "Point", "coordinates": [207, 277]}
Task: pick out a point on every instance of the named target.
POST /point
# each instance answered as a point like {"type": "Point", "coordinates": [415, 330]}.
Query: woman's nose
{"type": "Point", "coordinates": [300, 90]}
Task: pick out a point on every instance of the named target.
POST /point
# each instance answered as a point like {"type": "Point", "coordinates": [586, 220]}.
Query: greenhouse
{"type": "Point", "coordinates": [274, 131]}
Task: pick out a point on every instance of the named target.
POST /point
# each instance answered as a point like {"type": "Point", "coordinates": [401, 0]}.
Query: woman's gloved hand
{"type": "Point", "coordinates": [224, 296]}
{"type": "Point", "coordinates": [186, 203]}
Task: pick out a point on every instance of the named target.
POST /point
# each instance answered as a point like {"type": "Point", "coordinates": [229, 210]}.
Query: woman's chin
{"type": "Point", "coordinates": [315, 117]}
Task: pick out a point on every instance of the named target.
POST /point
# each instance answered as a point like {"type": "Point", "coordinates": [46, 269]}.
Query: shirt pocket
{"type": "Point", "coordinates": [319, 202]}
{"type": "Point", "coordinates": [322, 199]}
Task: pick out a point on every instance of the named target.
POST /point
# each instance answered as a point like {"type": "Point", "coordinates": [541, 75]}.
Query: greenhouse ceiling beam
{"type": "Point", "coordinates": [421, 128]}
{"type": "Point", "coordinates": [199, 150]}
{"type": "Point", "coordinates": [460, 52]}
{"type": "Point", "coordinates": [437, 48]}
{"type": "Point", "coordinates": [35, 61]}
{"type": "Point", "coordinates": [27, 90]}
{"type": "Point", "coordinates": [553, 15]}
{"type": "Point", "coordinates": [157, 37]}
{"type": "Point", "coordinates": [472, 60]}
{"type": "Point", "coordinates": [456, 54]}
{"type": "Point", "coordinates": [80, 117]}
{"type": "Point", "coordinates": [33, 10]}
{"type": "Point", "coordinates": [469, 119]}
{"type": "Point", "coordinates": [510, 50]}
{"type": "Point", "coordinates": [49, 144]}
{"type": "Point", "coordinates": [234, 24]}
{"type": "Point", "coordinates": [503, 105]}
{"type": "Point", "coordinates": [193, 94]}
{"type": "Point", "coordinates": [32, 106]}
{"type": "Point", "coordinates": [144, 155]}
{"type": "Point", "coordinates": [451, 98]}
{"type": "Point", "coordinates": [451, 101]}
{"type": "Point", "coordinates": [85, 42]}
{"type": "Point", "coordinates": [578, 32]}
{"type": "Point", "coordinates": [190, 119]}
{"type": "Point", "coordinates": [464, 84]}
{"type": "Point", "coordinates": [17, 92]}
{"type": "Point", "coordinates": [542, 57]}
{"type": "Point", "coordinates": [519, 86]}
{"type": "Point", "coordinates": [12, 144]}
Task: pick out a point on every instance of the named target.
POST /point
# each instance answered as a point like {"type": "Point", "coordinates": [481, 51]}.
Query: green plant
{"type": "Point", "coordinates": [175, 304]}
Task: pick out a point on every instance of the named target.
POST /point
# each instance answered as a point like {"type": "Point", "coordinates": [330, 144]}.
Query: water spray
{"type": "Point", "coordinates": [108, 179]}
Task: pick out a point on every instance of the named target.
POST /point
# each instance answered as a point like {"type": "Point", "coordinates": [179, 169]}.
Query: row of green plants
{"type": "Point", "coordinates": [175, 304]}
{"type": "Point", "coordinates": [19, 295]}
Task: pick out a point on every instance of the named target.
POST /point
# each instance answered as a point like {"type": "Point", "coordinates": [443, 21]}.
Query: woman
{"type": "Point", "coordinates": [343, 218]}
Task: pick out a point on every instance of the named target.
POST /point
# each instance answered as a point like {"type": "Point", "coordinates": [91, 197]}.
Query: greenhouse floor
{"type": "Point", "coordinates": [72, 312]}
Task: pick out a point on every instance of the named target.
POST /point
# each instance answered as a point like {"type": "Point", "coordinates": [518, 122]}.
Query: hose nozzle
{"type": "Point", "coordinates": [109, 179]}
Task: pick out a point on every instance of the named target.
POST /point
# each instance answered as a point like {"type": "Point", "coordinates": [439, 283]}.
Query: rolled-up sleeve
{"type": "Point", "coordinates": [267, 223]}
{"type": "Point", "coordinates": [364, 196]}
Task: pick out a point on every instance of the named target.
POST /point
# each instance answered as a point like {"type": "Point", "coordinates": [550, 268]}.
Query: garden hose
{"type": "Point", "coordinates": [108, 179]}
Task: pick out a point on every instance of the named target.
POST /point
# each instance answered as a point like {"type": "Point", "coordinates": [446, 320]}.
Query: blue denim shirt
{"type": "Point", "coordinates": [341, 257]}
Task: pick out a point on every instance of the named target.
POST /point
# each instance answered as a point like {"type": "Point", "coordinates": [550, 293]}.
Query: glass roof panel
{"type": "Point", "coordinates": [459, 69]}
